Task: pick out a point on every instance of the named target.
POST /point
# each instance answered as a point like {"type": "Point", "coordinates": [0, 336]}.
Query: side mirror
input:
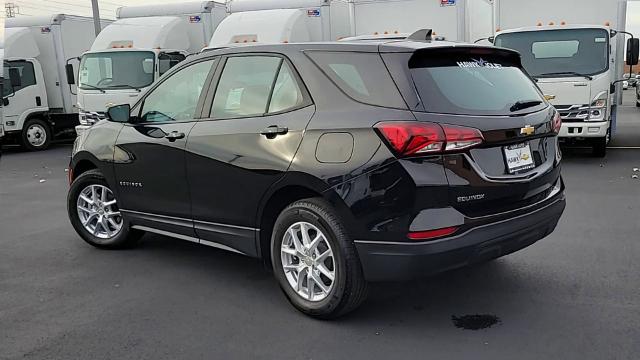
{"type": "Point", "coordinates": [71, 77]}
{"type": "Point", "coordinates": [633, 50]}
{"type": "Point", "coordinates": [5, 101]}
{"type": "Point", "coordinates": [491, 39]}
{"type": "Point", "coordinates": [119, 113]}
{"type": "Point", "coordinates": [14, 78]}
{"type": "Point", "coordinates": [612, 88]}
{"type": "Point", "coordinates": [147, 66]}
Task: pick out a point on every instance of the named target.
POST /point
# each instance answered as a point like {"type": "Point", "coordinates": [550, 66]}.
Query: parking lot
{"type": "Point", "coordinates": [574, 295]}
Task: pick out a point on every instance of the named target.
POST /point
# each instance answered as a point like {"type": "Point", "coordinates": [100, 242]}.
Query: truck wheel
{"type": "Point", "coordinates": [36, 135]}
{"type": "Point", "coordinates": [315, 260]}
{"type": "Point", "coordinates": [93, 211]}
{"type": "Point", "coordinates": [599, 147]}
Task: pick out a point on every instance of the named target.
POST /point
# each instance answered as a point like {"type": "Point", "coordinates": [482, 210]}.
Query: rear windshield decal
{"type": "Point", "coordinates": [480, 63]}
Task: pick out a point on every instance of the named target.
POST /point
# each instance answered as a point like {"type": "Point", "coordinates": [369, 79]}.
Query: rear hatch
{"type": "Point", "coordinates": [484, 91]}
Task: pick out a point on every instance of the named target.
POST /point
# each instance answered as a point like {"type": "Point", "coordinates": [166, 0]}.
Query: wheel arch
{"type": "Point", "coordinates": [294, 187]}
{"type": "Point", "coordinates": [84, 161]}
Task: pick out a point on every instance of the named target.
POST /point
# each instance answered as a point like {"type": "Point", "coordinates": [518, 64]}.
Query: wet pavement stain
{"type": "Point", "coordinates": [475, 322]}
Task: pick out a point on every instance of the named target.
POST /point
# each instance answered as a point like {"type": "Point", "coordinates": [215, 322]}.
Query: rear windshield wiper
{"type": "Point", "coordinates": [519, 105]}
{"type": "Point", "coordinates": [566, 73]}
{"type": "Point", "coordinates": [123, 86]}
{"type": "Point", "coordinates": [92, 87]}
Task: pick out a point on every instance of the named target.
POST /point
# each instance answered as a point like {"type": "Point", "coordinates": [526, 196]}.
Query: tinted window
{"type": "Point", "coordinates": [472, 85]}
{"type": "Point", "coordinates": [585, 51]}
{"type": "Point", "coordinates": [27, 74]}
{"type": "Point", "coordinates": [286, 93]}
{"type": "Point", "coordinates": [114, 70]}
{"type": "Point", "coordinates": [244, 86]}
{"type": "Point", "coordinates": [362, 76]}
{"type": "Point", "coordinates": [176, 98]}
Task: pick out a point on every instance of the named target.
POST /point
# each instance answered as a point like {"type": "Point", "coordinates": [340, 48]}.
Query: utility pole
{"type": "Point", "coordinates": [11, 9]}
{"type": "Point", "coordinates": [96, 16]}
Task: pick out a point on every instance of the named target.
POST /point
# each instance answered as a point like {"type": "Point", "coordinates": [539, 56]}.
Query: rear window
{"type": "Point", "coordinates": [473, 84]}
{"type": "Point", "coordinates": [362, 76]}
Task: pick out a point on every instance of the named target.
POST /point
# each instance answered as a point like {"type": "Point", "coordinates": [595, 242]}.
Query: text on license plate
{"type": "Point", "coordinates": [518, 157]}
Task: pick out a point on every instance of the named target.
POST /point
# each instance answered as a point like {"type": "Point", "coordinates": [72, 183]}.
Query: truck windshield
{"type": "Point", "coordinates": [566, 52]}
{"type": "Point", "coordinates": [458, 82]}
{"type": "Point", "coordinates": [117, 70]}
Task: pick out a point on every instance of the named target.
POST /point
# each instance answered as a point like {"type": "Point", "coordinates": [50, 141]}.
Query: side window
{"type": "Point", "coordinates": [177, 97]}
{"type": "Point", "coordinates": [286, 93]}
{"type": "Point", "coordinates": [26, 70]}
{"type": "Point", "coordinates": [362, 76]}
{"type": "Point", "coordinates": [168, 60]}
{"type": "Point", "coordinates": [244, 86]}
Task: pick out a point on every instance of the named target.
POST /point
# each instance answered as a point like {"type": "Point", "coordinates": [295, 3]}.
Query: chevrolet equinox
{"type": "Point", "coordinates": [337, 164]}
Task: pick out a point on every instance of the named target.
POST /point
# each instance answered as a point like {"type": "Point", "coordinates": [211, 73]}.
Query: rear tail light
{"type": "Point", "coordinates": [556, 123]}
{"type": "Point", "coordinates": [431, 234]}
{"type": "Point", "coordinates": [408, 138]}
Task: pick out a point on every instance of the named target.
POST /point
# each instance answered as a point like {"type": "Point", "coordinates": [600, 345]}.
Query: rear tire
{"type": "Point", "coordinates": [105, 235]}
{"type": "Point", "coordinates": [335, 297]}
{"type": "Point", "coordinates": [36, 135]}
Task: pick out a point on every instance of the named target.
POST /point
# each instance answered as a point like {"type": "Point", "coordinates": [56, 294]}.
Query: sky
{"type": "Point", "coordinates": [108, 8]}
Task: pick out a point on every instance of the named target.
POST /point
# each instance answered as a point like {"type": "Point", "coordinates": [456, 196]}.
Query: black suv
{"type": "Point", "coordinates": [335, 163]}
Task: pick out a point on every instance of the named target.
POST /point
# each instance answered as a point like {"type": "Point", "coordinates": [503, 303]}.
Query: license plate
{"type": "Point", "coordinates": [518, 157]}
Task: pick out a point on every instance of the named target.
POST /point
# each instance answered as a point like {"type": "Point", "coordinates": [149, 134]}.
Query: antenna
{"type": "Point", "coordinates": [421, 35]}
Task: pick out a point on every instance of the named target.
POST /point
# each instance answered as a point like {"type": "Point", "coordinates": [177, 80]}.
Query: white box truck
{"type": "Point", "coordinates": [129, 55]}
{"type": "Point", "coordinates": [576, 53]}
{"type": "Point", "coordinates": [42, 106]}
{"type": "Point", "coordinates": [277, 21]}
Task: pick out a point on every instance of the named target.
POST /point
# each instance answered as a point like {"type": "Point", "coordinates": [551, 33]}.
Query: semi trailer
{"type": "Point", "coordinates": [42, 107]}
{"type": "Point", "coordinates": [576, 54]}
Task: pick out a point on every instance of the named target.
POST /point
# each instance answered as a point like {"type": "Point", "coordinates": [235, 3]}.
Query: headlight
{"type": "Point", "coordinates": [88, 119]}
{"type": "Point", "coordinates": [598, 108]}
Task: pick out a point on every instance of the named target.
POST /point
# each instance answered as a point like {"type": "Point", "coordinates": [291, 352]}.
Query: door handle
{"type": "Point", "coordinates": [274, 130]}
{"type": "Point", "coordinates": [174, 135]}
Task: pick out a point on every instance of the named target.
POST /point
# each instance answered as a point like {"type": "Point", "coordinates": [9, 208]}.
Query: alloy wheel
{"type": "Point", "coordinates": [307, 261]}
{"type": "Point", "coordinates": [98, 211]}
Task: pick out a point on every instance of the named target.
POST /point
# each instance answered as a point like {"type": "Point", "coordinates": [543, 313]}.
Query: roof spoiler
{"type": "Point", "coordinates": [421, 35]}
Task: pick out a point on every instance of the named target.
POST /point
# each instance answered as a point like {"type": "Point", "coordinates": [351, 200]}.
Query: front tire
{"type": "Point", "coordinates": [94, 214]}
{"type": "Point", "coordinates": [315, 260]}
{"type": "Point", "coordinates": [599, 147]}
{"type": "Point", "coordinates": [36, 135]}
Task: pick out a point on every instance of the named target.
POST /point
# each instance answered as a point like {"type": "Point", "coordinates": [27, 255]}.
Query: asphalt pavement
{"type": "Point", "coordinates": [573, 295]}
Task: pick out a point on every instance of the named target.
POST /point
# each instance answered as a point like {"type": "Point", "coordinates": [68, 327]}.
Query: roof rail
{"type": "Point", "coordinates": [421, 35]}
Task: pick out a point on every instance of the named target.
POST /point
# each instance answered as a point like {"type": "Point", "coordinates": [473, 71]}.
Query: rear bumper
{"type": "Point", "coordinates": [393, 261]}
{"type": "Point", "coordinates": [596, 129]}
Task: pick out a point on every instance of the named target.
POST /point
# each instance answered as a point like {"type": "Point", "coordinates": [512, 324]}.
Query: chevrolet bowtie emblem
{"type": "Point", "coordinates": [527, 130]}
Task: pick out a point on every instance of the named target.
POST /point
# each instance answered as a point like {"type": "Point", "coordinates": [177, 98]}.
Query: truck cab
{"type": "Point", "coordinates": [119, 76]}
{"type": "Point", "coordinates": [130, 54]}
{"type": "Point", "coordinates": [28, 97]}
{"type": "Point", "coordinates": [575, 67]}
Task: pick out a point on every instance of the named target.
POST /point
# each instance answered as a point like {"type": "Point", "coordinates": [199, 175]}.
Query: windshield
{"type": "Point", "coordinates": [474, 85]}
{"type": "Point", "coordinates": [574, 52]}
{"type": "Point", "coordinates": [117, 70]}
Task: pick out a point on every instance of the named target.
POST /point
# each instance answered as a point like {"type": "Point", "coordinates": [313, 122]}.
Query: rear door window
{"type": "Point", "coordinates": [469, 84]}
{"type": "Point", "coordinates": [362, 76]}
{"type": "Point", "coordinates": [255, 85]}
{"type": "Point", "coordinates": [245, 86]}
